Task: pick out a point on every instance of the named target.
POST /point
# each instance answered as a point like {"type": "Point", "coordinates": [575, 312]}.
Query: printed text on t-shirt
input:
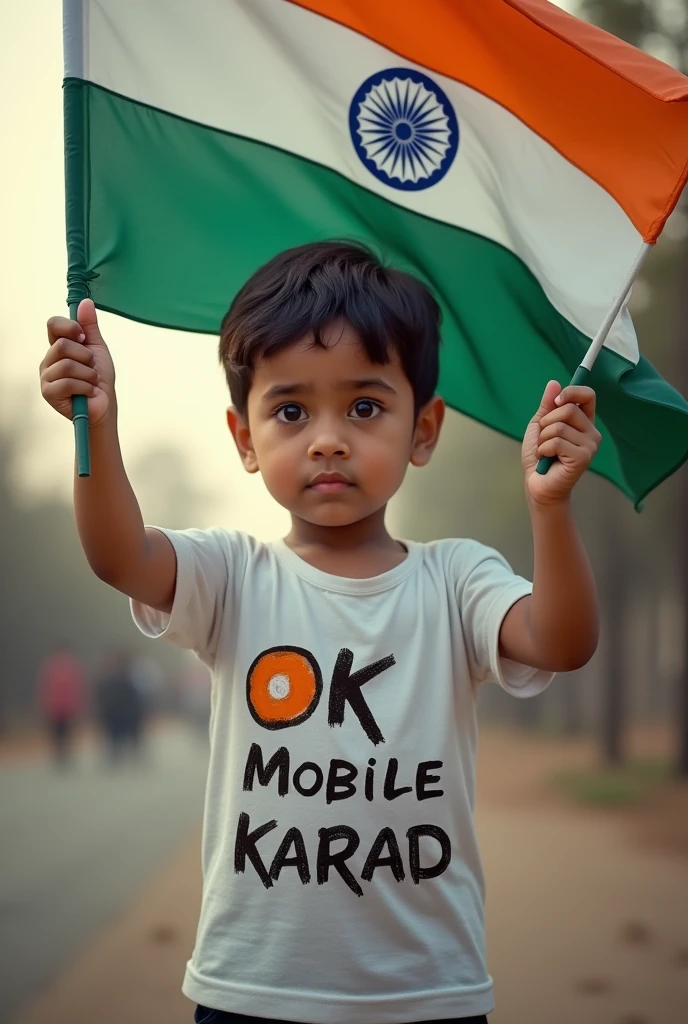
{"type": "Point", "coordinates": [283, 689]}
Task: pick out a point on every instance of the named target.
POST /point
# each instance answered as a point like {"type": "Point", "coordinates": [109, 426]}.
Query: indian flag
{"type": "Point", "coordinates": [515, 158]}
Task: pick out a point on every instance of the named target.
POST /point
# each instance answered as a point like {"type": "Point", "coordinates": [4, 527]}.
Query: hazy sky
{"type": "Point", "coordinates": [159, 398]}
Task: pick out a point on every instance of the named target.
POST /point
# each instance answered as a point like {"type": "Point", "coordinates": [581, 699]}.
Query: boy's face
{"type": "Point", "coordinates": [332, 433]}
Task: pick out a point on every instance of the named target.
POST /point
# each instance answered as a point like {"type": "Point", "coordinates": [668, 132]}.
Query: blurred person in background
{"type": "Point", "coordinates": [195, 695]}
{"type": "Point", "coordinates": [120, 706]}
{"type": "Point", "coordinates": [61, 698]}
{"type": "Point", "coordinates": [148, 678]}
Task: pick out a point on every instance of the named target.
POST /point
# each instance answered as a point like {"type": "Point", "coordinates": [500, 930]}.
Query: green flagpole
{"type": "Point", "coordinates": [584, 370]}
{"type": "Point", "coordinates": [80, 421]}
{"type": "Point", "coordinates": [76, 199]}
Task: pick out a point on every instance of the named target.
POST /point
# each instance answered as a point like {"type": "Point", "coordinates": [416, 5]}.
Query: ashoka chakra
{"type": "Point", "coordinates": [404, 128]}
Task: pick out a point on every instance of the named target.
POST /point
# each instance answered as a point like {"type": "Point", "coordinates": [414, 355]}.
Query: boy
{"type": "Point", "coordinates": [342, 879]}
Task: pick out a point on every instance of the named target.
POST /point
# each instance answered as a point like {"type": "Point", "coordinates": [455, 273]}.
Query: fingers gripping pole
{"type": "Point", "coordinates": [80, 421]}
{"type": "Point", "coordinates": [583, 371]}
{"type": "Point", "coordinates": [579, 377]}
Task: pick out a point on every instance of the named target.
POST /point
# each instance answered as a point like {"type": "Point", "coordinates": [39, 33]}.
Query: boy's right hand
{"type": "Point", "coordinates": [78, 363]}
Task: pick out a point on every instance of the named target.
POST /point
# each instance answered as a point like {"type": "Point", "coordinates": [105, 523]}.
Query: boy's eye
{"type": "Point", "coordinates": [290, 413]}
{"type": "Point", "coordinates": [365, 409]}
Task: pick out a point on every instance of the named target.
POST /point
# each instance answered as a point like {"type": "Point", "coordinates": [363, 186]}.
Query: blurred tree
{"type": "Point", "coordinates": [614, 648]}
{"type": "Point", "coordinates": [661, 28]}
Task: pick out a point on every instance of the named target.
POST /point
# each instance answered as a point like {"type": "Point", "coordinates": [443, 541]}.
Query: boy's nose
{"type": "Point", "coordinates": [325, 447]}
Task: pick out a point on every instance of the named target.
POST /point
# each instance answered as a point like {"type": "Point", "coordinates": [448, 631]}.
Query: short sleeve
{"type": "Point", "coordinates": [208, 561]}
{"type": "Point", "coordinates": [486, 588]}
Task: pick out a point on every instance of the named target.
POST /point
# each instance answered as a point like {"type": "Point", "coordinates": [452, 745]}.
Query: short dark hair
{"type": "Point", "coordinates": [303, 290]}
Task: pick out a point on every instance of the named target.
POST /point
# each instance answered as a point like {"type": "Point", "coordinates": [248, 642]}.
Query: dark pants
{"type": "Point", "coordinates": [61, 730]}
{"type": "Point", "coordinates": [203, 1015]}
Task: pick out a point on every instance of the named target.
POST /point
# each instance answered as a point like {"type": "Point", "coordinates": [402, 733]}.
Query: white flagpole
{"type": "Point", "coordinates": [598, 341]}
{"type": "Point", "coordinates": [588, 361]}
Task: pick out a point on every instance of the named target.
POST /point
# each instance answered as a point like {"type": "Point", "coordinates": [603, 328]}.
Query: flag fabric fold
{"type": "Point", "coordinates": [512, 156]}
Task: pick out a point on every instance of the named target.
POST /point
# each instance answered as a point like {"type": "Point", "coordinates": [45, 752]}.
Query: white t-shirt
{"type": "Point", "coordinates": [342, 879]}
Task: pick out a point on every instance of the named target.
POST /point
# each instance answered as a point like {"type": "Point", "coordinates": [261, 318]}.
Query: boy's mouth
{"type": "Point", "coordinates": [329, 483]}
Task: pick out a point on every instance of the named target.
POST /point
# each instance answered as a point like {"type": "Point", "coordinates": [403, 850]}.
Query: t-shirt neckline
{"type": "Point", "coordinates": [345, 584]}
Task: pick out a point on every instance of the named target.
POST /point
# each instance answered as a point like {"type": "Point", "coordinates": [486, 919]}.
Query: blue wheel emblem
{"type": "Point", "coordinates": [404, 129]}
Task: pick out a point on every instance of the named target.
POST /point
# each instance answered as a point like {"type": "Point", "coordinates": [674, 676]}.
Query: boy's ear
{"type": "Point", "coordinates": [242, 439]}
{"type": "Point", "coordinates": [427, 432]}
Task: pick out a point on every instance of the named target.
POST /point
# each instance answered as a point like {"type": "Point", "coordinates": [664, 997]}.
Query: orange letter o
{"type": "Point", "coordinates": [283, 687]}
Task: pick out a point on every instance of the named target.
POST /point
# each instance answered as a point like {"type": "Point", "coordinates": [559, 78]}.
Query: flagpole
{"type": "Point", "coordinates": [75, 210]}
{"type": "Point", "coordinates": [80, 421]}
{"type": "Point", "coordinates": [583, 371]}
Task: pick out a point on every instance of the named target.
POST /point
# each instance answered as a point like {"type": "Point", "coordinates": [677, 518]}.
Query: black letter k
{"type": "Point", "coordinates": [345, 687]}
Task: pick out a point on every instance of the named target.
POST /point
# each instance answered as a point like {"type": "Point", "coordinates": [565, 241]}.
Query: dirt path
{"type": "Point", "coordinates": [581, 928]}
{"type": "Point", "coordinates": [586, 923]}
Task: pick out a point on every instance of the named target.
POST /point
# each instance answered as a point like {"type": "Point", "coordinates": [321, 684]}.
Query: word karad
{"type": "Point", "coordinates": [284, 687]}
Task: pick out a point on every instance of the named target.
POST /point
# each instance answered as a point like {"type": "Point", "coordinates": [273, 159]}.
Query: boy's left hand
{"type": "Point", "coordinates": [564, 426]}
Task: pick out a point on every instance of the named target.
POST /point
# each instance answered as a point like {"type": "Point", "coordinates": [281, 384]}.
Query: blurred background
{"type": "Point", "coordinates": [583, 791]}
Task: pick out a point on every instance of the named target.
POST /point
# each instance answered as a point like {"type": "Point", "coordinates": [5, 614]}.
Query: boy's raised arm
{"type": "Point", "coordinates": [557, 627]}
{"type": "Point", "coordinates": [141, 563]}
